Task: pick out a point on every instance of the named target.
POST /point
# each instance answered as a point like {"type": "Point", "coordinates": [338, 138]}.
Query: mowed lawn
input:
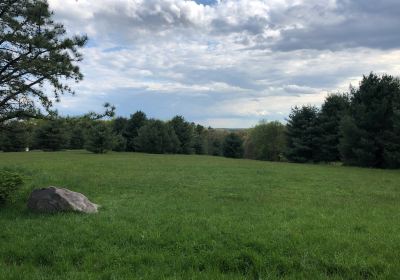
{"type": "Point", "coordinates": [201, 217]}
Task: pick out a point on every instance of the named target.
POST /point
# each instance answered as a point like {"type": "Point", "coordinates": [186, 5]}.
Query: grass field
{"type": "Point", "coordinates": [200, 217]}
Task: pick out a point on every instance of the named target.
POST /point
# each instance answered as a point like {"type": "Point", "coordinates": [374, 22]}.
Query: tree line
{"type": "Point", "coordinates": [360, 128]}
{"type": "Point", "coordinates": [37, 58]}
{"type": "Point", "coordinates": [137, 133]}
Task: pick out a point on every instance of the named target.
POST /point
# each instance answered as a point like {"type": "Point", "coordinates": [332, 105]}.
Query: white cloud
{"type": "Point", "coordinates": [235, 60]}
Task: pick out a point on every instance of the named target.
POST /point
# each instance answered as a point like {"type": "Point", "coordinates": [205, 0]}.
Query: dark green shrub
{"type": "Point", "coordinates": [10, 182]}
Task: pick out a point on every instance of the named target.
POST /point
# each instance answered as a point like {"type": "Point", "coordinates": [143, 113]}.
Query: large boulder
{"type": "Point", "coordinates": [52, 199]}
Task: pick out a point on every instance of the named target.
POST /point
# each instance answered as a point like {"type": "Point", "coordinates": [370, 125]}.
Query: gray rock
{"type": "Point", "coordinates": [52, 199]}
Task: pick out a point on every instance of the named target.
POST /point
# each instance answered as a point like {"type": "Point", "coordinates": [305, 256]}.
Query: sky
{"type": "Point", "coordinates": [225, 63]}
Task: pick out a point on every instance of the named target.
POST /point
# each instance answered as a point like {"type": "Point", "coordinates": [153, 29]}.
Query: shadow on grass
{"type": "Point", "coordinates": [12, 212]}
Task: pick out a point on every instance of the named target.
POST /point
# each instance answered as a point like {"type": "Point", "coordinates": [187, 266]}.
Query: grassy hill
{"type": "Point", "coordinates": [200, 217]}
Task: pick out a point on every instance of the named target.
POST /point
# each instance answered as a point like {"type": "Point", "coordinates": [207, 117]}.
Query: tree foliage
{"type": "Point", "coordinates": [268, 141]}
{"type": "Point", "coordinates": [10, 182]}
{"type": "Point", "coordinates": [135, 122]}
{"type": "Point", "coordinates": [34, 52]}
{"type": "Point", "coordinates": [359, 128]}
{"type": "Point", "coordinates": [334, 108]}
{"type": "Point", "coordinates": [303, 134]}
{"type": "Point", "coordinates": [99, 138]}
{"type": "Point", "coordinates": [157, 137]}
{"type": "Point", "coordinates": [51, 135]}
{"type": "Point", "coordinates": [14, 137]}
{"type": "Point", "coordinates": [185, 133]}
{"type": "Point", "coordinates": [233, 146]}
{"type": "Point", "coordinates": [215, 140]}
{"type": "Point", "coordinates": [119, 125]}
{"type": "Point", "coordinates": [199, 140]}
{"type": "Point", "coordinates": [371, 131]}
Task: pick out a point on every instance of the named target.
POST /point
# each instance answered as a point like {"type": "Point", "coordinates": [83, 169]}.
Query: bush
{"type": "Point", "coordinates": [10, 182]}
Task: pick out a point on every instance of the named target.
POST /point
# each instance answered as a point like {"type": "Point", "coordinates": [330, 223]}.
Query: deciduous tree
{"type": "Point", "coordinates": [268, 141]}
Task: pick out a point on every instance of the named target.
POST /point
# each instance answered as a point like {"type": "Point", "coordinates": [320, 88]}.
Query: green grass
{"type": "Point", "coordinates": [200, 217]}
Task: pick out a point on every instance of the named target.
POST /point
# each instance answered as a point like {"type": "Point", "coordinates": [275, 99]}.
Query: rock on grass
{"type": "Point", "coordinates": [53, 199]}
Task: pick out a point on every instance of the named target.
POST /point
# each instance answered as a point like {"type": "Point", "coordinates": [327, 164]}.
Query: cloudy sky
{"type": "Point", "coordinates": [226, 63]}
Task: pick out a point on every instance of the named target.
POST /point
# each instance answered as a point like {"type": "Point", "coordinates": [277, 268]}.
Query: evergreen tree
{"type": "Point", "coordinates": [157, 137]}
{"type": "Point", "coordinates": [371, 131]}
{"type": "Point", "coordinates": [199, 139]}
{"type": "Point", "coordinates": [332, 111]}
{"type": "Point", "coordinates": [99, 138]}
{"type": "Point", "coordinates": [79, 126]}
{"type": "Point", "coordinates": [303, 135]}
{"type": "Point", "coordinates": [184, 132]}
{"type": "Point", "coordinates": [233, 146]}
{"type": "Point", "coordinates": [14, 137]}
{"type": "Point", "coordinates": [77, 138]}
{"type": "Point", "coordinates": [119, 143]}
{"type": "Point", "coordinates": [349, 142]}
{"type": "Point", "coordinates": [51, 135]}
{"type": "Point", "coordinates": [119, 125]}
{"type": "Point", "coordinates": [171, 141]}
{"type": "Point", "coordinates": [34, 51]}
{"type": "Point", "coordinates": [215, 140]}
{"type": "Point", "coordinates": [135, 122]}
{"type": "Point", "coordinates": [76, 132]}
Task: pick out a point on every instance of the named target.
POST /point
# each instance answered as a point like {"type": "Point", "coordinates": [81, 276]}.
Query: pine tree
{"type": "Point", "coordinates": [14, 137]}
{"type": "Point", "coordinates": [233, 146]}
{"type": "Point", "coordinates": [184, 132]}
{"type": "Point", "coordinates": [51, 135]}
{"type": "Point", "coordinates": [200, 140]}
{"type": "Point", "coordinates": [99, 138]}
{"type": "Point", "coordinates": [371, 132]}
{"type": "Point", "coordinates": [157, 137]}
{"type": "Point", "coordinates": [330, 116]}
{"type": "Point", "coordinates": [135, 122]}
{"type": "Point", "coordinates": [303, 135]}
{"type": "Point", "coordinates": [34, 51]}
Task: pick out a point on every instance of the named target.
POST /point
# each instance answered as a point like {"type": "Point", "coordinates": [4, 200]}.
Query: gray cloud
{"type": "Point", "coordinates": [361, 23]}
{"type": "Point", "coordinates": [229, 64]}
{"type": "Point", "coordinates": [327, 24]}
